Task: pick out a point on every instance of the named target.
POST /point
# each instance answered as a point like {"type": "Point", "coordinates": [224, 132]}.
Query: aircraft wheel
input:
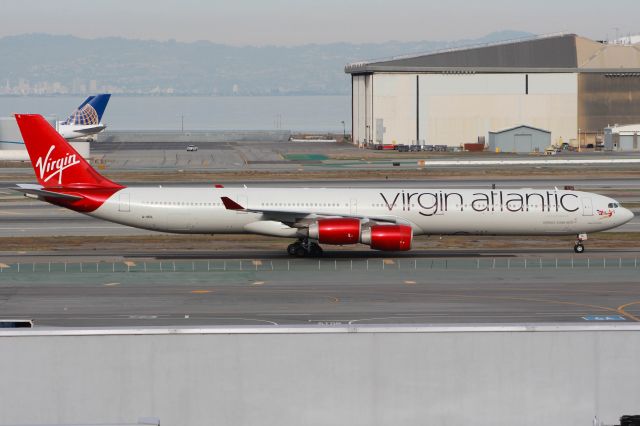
{"type": "Point", "coordinates": [291, 249]}
{"type": "Point", "coordinates": [300, 251]}
{"type": "Point", "coordinates": [315, 250]}
{"type": "Point", "coordinates": [578, 248]}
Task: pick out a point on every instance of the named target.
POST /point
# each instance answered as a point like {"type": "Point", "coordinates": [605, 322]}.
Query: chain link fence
{"type": "Point", "coordinates": [321, 265]}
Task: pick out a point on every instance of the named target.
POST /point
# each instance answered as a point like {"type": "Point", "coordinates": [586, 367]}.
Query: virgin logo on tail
{"type": "Point", "coordinates": [49, 168]}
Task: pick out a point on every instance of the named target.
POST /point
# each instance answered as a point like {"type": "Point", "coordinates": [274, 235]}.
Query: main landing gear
{"type": "Point", "coordinates": [303, 248]}
{"type": "Point", "coordinates": [579, 247]}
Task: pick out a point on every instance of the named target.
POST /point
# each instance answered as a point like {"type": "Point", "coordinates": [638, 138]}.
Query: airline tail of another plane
{"type": "Point", "coordinates": [56, 163]}
{"type": "Point", "coordinates": [90, 111]}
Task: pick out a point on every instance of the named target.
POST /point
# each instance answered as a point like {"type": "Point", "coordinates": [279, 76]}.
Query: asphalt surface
{"type": "Point", "coordinates": [292, 156]}
{"type": "Point", "coordinates": [580, 184]}
{"type": "Point", "coordinates": [393, 296]}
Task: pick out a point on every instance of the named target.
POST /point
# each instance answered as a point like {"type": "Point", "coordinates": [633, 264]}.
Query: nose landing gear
{"type": "Point", "coordinates": [579, 247]}
{"type": "Point", "coordinates": [303, 248]}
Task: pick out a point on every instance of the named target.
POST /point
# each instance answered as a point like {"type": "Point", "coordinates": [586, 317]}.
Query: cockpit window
{"type": "Point", "coordinates": [614, 205]}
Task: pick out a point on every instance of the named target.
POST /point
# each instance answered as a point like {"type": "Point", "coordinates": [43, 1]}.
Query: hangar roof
{"type": "Point", "coordinates": [550, 53]}
{"type": "Point", "coordinates": [526, 126]}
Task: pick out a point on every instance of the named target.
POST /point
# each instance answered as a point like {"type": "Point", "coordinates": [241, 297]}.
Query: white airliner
{"type": "Point", "coordinates": [386, 219]}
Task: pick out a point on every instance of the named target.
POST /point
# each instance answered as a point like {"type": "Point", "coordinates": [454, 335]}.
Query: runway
{"type": "Point", "coordinates": [434, 296]}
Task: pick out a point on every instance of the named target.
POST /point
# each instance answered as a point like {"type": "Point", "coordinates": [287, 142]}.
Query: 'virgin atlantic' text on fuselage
{"type": "Point", "coordinates": [438, 202]}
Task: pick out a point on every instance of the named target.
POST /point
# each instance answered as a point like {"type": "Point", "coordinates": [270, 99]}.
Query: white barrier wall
{"type": "Point", "coordinates": [536, 375]}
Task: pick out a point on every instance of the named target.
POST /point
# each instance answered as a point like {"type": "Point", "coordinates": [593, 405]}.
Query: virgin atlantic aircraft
{"type": "Point", "coordinates": [385, 219]}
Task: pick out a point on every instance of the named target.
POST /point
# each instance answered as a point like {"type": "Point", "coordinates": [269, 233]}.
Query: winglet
{"type": "Point", "coordinates": [230, 204]}
{"type": "Point", "coordinates": [219, 186]}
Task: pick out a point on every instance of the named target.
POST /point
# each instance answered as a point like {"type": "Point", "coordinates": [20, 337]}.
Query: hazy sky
{"type": "Point", "coordinates": [293, 22]}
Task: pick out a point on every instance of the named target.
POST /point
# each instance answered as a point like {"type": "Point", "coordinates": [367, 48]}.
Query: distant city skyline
{"type": "Point", "coordinates": [296, 22]}
{"type": "Point", "coordinates": [61, 64]}
{"type": "Point", "coordinates": [77, 86]}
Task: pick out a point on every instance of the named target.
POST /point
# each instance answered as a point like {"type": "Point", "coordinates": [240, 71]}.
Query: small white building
{"type": "Point", "coordinates": [622, 138]}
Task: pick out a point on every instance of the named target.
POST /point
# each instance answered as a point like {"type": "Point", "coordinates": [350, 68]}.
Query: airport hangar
{"type": "Point", "coordinates": [568, 85]}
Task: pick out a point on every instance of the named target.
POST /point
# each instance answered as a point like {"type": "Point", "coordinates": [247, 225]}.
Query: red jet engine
{"type": "Point", "coordinates": [336, 231]}
{"type": "Point", "coordinates": [388, 237]}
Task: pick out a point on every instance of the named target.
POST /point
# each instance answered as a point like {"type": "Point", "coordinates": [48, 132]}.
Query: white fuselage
{"type": "Point", "coordinates": [427, 211]}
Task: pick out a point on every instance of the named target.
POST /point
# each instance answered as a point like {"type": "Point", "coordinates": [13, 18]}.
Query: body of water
{"type": "Point", "coordinates": [297, 113]}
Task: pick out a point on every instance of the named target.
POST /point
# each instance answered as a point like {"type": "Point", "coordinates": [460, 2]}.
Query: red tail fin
{"type": "Point", "coordinates": [56, 163]}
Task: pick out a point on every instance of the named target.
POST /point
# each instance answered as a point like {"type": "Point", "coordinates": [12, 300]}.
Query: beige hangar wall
{"type": "Point", "coordinates": [394, 98]}
{"type": "Point", "coordinates": [457, 108]}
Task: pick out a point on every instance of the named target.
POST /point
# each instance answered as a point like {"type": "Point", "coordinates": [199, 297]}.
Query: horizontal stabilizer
{"type": "Point", "coordinates": [38, 191]}
{"type": "Point", "coordinates": [90, 130]}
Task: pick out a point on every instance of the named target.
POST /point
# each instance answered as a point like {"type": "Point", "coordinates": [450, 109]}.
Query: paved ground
{"type": "Point", "coordinates": [293, 156]}
{"type": "Point", "coordinates": [458, 294]}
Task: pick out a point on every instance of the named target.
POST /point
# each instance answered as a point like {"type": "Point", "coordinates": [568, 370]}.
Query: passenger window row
{"type": "Point", "coordinates": [178, 203]}
{"type": "Point", "coordinates": [302, 205]}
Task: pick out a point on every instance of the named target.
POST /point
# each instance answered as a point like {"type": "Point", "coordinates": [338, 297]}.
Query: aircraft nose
{"type": "Point", "coordinates": [626, 215]}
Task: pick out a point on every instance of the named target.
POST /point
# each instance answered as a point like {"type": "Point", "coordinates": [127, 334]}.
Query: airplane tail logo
{"type": "Point", "coordinates": [89, 113]}
{"type": "Point", "coordinates": [56, 163]}
{"type": "Point", "coordinates": [48, 168]}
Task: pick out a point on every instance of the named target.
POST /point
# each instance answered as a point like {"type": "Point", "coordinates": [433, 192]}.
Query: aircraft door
{"type": "Point", "coordinates": [124, 205]}
{"type": "Point", "coordinates": [353, 206]}
{"type": "Point", "coordinates": [587, 207]}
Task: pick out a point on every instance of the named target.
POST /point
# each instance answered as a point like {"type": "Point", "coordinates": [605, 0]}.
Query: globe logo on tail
{"type": "Point", "coordinates": [87, 115]}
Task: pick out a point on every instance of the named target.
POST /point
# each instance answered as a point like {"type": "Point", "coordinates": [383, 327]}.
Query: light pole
{"type": "Point", "coordinates": [579, 142]}
{"type": "Point", "coordinates": [344, 131]}
{"type": "Point", "coordinates": [182, 123]}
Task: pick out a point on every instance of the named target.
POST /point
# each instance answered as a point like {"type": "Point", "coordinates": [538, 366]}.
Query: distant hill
{"type": "Point", "coordinates": [49, 64]}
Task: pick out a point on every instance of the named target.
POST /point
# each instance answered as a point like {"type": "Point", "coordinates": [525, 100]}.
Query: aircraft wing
{"type": "Point", "coordinates": [288, 216]}
{"type": "Point", "coordinates": [38, 191]}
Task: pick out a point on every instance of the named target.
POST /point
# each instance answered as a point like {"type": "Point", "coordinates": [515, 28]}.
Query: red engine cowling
{"type": "Point", "coordinates": [388, 237]}
{"type": "Point", "coordinates": [336, 231]}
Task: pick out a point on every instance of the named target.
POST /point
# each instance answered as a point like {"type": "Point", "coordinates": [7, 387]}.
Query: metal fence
{"type": "Point", "coordinates": [322, 265]}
